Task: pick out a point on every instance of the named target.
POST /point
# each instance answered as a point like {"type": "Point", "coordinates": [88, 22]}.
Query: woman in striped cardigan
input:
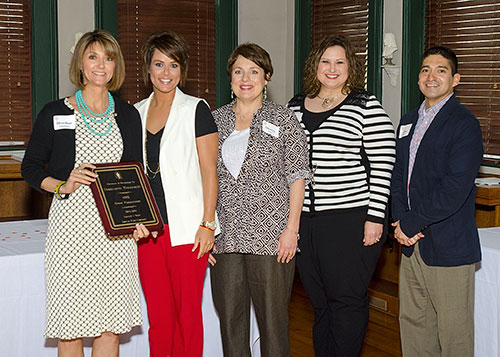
{"type": "Point", "coordinates": [351, 151]}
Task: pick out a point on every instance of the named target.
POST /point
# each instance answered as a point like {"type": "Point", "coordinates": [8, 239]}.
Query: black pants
{"type": "Point", "coordinates": [335, 269]}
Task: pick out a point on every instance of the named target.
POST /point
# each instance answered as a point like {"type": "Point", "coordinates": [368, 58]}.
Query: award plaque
{"type": "Point", "coordinates": [124, 198]}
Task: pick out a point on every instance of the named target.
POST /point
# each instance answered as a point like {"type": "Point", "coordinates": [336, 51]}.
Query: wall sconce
{"type": "Point", "coordinates": [393, 73]}
{"type": "Point", "coordinates": [389, 67]}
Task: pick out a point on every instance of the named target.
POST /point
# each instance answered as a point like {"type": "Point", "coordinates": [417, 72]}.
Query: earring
{"type": "Point", "coordinates": [232, 94]}
{"type": "Point", "coordinates": [265, 92]}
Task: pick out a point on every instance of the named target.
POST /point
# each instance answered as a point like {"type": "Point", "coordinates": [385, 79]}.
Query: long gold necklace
{"type": "Point", "coordinates": [328, 102]}
{"type": "Point", "coordinates": [148, 169]}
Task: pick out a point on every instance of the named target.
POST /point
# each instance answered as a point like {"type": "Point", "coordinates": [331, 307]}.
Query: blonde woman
{"type": "Point", "coordinates": [92, 280]}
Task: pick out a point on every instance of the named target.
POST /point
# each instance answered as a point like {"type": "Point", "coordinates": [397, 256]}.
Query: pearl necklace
{"type": "Point", "coordinates": [328, 102]}
{"type": "Point", "coordinates": [86, 113]}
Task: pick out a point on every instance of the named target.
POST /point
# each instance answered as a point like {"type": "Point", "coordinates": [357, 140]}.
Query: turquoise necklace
{"type": "Point", "coordinates": [89, 114]}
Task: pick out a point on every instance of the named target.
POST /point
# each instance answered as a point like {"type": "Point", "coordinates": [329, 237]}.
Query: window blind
{"type": "Point", "coordinates": [193, 20]}
{"type": "Point", "coordinates": [471, 28]}
{"type": "Point", "coordinates": [15, 71]}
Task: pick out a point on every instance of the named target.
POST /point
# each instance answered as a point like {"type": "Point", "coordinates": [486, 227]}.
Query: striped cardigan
{"type": "Point", "coordinates": [341, 181]}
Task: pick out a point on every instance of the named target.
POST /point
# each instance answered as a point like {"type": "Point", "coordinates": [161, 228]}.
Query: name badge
{"type": "Point", "coordinates": [64, 122]}
{"type": "Point", "coordinates": [270, 129]}
{"type": "Point", "coordinates": [404, 130]}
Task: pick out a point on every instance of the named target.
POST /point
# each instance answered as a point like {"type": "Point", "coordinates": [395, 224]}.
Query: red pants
{"type": "Point", "coordinates": [172, 282]}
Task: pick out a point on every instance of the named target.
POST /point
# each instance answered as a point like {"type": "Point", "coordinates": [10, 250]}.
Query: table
{"type": "Point", "coordinates": [487, 206]}
{"type": "Point", "coordinates": [22, 301]}
{"type": "Point", "coordinates": [487, 295]}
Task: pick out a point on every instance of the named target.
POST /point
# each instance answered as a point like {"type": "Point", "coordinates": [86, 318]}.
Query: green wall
{"type": "Point", "coordinates": [44, 55]}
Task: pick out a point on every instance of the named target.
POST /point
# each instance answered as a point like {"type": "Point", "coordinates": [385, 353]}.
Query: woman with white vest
{"type": "Point", "coordinates": [180, 157]}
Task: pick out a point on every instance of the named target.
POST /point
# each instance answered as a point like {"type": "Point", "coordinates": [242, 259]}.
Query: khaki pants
{"type": "Point", "coordinates": [436, 312]}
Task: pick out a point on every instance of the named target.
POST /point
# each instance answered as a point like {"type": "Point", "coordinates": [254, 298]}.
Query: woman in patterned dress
{"type": "Point", "coordinates": [92, 281]}
{"type": "Point", "coordinates": [352, 152]}
{"type": "Point", "coordinates": [262, 168]}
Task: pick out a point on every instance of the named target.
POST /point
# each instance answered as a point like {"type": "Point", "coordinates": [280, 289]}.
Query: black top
{"type": "Point", "coordinates": [153, 154]}
{"type": "Point", "coordinates": [56, 148]}
{"type": "Point", "coordinates": [204, 121]}
{"type": "Point", "coordinates": [204, 124]}
{"type": "Point", "coordinates": [312, 120]}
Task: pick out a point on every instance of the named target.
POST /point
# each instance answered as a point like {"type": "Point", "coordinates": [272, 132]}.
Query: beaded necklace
{"type": "Point", "coordinates": [86, 113]}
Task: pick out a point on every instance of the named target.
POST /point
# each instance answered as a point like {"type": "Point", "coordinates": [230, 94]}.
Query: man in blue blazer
{"type": "Point", "coordinates": [438, 153]}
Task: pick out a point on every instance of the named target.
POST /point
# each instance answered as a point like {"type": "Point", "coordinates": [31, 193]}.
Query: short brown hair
{"type": "Point", "coordinates": [112, 49]}
{"type": "Point", "coordinates": [170, 44]}
{"type": "Point", "coordinates": [254, 53]}
{"type": "Point", "coordinates": [356, 74]}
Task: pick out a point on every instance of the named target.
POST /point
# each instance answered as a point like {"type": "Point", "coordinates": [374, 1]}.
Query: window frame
{"type": "Point", "coordinates": [226, 17]}
{"type": "Point", "coordinates": [44, 55]}
{"type": "Point", "coordinates": [44, 58]}
{"type": "Point", "coordinates": [413, 48]}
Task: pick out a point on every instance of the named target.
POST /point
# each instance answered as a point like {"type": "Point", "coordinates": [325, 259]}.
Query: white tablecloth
{"type": "Point", "coordinates": [22, 301]}
{"type": "Point", "coordinates": [487, 298]}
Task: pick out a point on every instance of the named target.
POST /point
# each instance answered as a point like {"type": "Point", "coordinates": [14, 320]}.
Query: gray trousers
{"type": "Point", "coordinates": [436, 312]}
{"type": "Point", "coordinates": [238, 278]}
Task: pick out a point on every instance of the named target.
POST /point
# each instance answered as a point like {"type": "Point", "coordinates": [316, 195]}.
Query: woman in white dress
{"type": "Point", "coordinates": [92, 281]}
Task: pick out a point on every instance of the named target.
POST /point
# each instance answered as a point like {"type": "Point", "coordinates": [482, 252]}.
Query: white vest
{"type": "Point", "coordinates": [180, 168]}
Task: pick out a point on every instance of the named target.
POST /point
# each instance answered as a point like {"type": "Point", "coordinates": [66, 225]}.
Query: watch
{"type": "Point", "coordinates": [209, 224]}
{"type": "Point", "coordinates": [296, 233]}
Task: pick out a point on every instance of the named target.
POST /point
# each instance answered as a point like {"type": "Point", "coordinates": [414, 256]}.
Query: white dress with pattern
{"type": "Point", "coordinates": [92, 280]}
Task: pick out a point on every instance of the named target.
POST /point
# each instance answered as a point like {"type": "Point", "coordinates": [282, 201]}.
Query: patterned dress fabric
{"type": "Point", "coordinates": [253, 208]}
{"type": "Point", "coordinates": [92, 280]}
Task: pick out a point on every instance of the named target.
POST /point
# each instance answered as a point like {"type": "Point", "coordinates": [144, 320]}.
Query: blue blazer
{"type": "Point", "coordinates": [442, 190]}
